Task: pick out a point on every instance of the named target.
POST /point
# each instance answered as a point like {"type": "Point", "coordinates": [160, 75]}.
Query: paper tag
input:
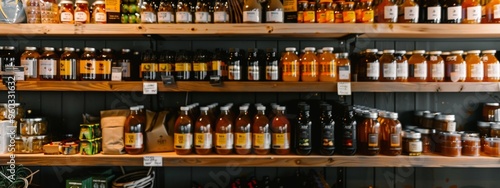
{"type": "Point", "coordinates": [344, 88]}
{"type": "Point", "coordinates": [168, 80]}
{"type": "Point", "coordinates": [153, 161]}
{"type": "Point", "coordinates": [215, 81]}
{"type": "Point", "coordinates": [149, 88]}
{"type": "Point", "coordinates": [18, 72]}
{"type": "Point", "coordinates": [116, 74]}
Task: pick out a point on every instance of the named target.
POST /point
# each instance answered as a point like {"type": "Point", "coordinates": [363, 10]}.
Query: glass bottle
{"type": "Point", "coordinates": [310, 12]}
{"type": "Point", "coordinates": [166, 64]}
{"type": "Point", "coordinates": [417, 67]}
{"type": "Point", "coordinates": [325, 12]}
{"type": "Point", "coordinates": [274, 12]}
{"type": "Point", "coordinates": [475, 67]}
{"type": "Point", "coordinates": [368, 13]}
{"type": "Point", "coordinates": [491, 66]}
{"type": "Point", "coordinates": [203, 133]}
{"type": "Point", "coordinates": [348, 14]}
{"type": "Point", "coordinates": [149, 66]}
{"type": "Point", "coordinates": [401, 66]}
{"type": "Point", "coordinates": [49, 11]}
{"type": "Point", "coordinates": [280, 128]}
{"type": "Point", "coordinates": [49, 62]}
{"type": "Point", "coordinates": [99, 12]}
{"type": "Point", "coordinates": [134, 135]}
{"type": "Point", "coordinates": [303, 139]}
{"type": "Point", "coordinates": [224, 132]}
{"type": "Point", "coordinates": [202, 14]}
{"type": "Point", "coordinates": [272, 65]}
{"type": "Point", "coordinates": [104, 62]}
{"type": "Point", "coordinates": [9, 57]}
{"type": "Point", "coordinates": [166, 11]}
{"type": "Point", "coordinates": [219, 64]}
{"type": "Point", "coordinates": [344, 67]}
{"type": "Point", "coordinates": [183, 12]}
{"type": "Point", "coordinates": [82, 12]}
{"type": "Point", "coordinates": [301, 9]}
{"type": "Point", "coordinates": [33, 11]}
{"type": "Point", "coordinates": [452, 11]}
{"type": "Point", "coordinates": [327, 130]}
{"type": "Point", "coordinates": [125, 63]}
{"type": "Point", "coordinates": [388, 65]}
{"type": "Point", "coordinates": [291, 65]}
{"type": "Point", "coordinates": [68, 65]}
{"type": "Point", "coordinates": [252, 12]}
{"type": "Point", "coordinates": [221, 11]}
{"type": "Point", "coordinates": [200, 65]}
{"type": "Point", "coordinates": [66, 11]}
{"type": "Point", "coordinates": [29, 60]}
{"type": "Point", "coordinates": [408, 12]}
{"type": "Point", "coordinates": [148, 11]}
{"type": "Point", "coordinates": [261, 139]}
{"type": "Point", "coordinates": [235, 65]}
{"type": "Point", "coordinates": [339, 17]}
{"type": "Point", "coordinates": [183, 65]}
{"type": "Point", "coordinates": [327, 66]}
{"type": "Point", "coordinates": [430, 12]}
{"type": "Point", "coordinates": [455, 67]}
{"type": "Point", "coordinates": [390, 129]}
{"type": "Point", "coordinates": [243, 132]}
{"type": "Point", "coordinates": [369, 67]}
{"type": "Point", "coordinates": [492, 11]}
{"type": "Point", "coordinates": [387, 12]}
{"type": "Point", "coordinates": [368, 134]}
{"type": "Point", "coordinates": [346, 131]}
{"type": "Point", "coordinates": [183, 133]}
{"type": "Point", "coordinates": [253, 66]}
{"type": "Point", "coordinates": [471, 11]}
{"type": "Point", "coordinates": [435, 67]}
{"type": "Point", "coordinates": [309, 66]}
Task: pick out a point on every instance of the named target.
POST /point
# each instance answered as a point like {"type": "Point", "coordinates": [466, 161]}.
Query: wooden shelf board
{"type": "Point", "coordinates": [426, 87]}
{"type": "Point", "coordinates": [170, 159]}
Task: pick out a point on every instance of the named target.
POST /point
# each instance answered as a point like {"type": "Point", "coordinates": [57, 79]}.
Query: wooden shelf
{"type": "Point", "coordinates": [260, 30]}
{"type": "Point", "coordinates": [173, 160]}
{"type": "Point", "coordinates": [248, 86]}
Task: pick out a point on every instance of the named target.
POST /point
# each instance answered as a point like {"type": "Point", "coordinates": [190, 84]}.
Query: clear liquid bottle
{"type": "Point", "coordinates": [491, 66]}
{"type": "Point", "coordinates": [303, 131]}
{"type": "Point", "coordinates": [203, 132]}
{"type": "Point", "coordinates": [388, 65]}
{"type": "Point", "coordinates": [224, 132]}
{"type": "Point", "coordinates": [252, 12]}
{"type": "Point", "coordinates": [104, 62]}
{"type": "Point", "coordinates": [29, 60]}
{"type": "Point", "coordinates": [49, 64]}
{"type": "Point", "coordinates": [281, 132]}
{"type": "Point", "coordinates": [455, 67]}
{"type": "Point", "coordinates": [261, 130]}
{"type": "Point", "coordinates": [166, 11]}
{"type": "Point", "coordinates": [391, 135]}
{"type": "Point", "coordinates": [475, 67]}
{"type": "Point", "coordinates": [435, 67]}
{"type": "Point", "coordinates": [68, 65]}
{"type": "Point", "coordinates": [327, 66]}
{"type": "Point", "coordinates": [134, 132]}
{"type": "Point", "coordinates": [243, 132]}
{"type": "Point", "coordinates": [291, 65]}
{"type": "Point", "coordinates": [309, 66]}
{"type": "Point", "coordinates": [417, 67]}
{"type": "Point", "coordinates": [183, 133]}
{"type": "Point", "coordinates": [33, 14]}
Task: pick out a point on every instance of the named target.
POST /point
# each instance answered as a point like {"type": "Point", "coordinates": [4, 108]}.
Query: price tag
{"type": "Point", "coordinates": [153, 161]}
{"type": "Point", "coordinates": [168, 80]}
{"type": "Point", "coordinates": [17, 71]}
{"type": "Point", "coordinates": [116, 74]}
{"type": "Point", "coordinates": [149, 88]}
{"type": "Point", "coordinates": [215, 81]}
{"type": "Point", "coordinates": [344, 88]}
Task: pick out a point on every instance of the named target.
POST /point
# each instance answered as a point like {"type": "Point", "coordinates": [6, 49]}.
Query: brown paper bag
{"type": "Point", "coordinates": [112, 123]}
{"type": "Point", "coordinates": [159, 131]}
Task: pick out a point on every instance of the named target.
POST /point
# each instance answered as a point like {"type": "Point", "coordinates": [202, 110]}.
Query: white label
{"type": "Point", "coordinates": [373, 69]}
{"type": "Point", "coordinates": [227, 143]}
{"type": "Point", "coordinates": [251, 16]}
{"type": "Point", "coordinates": [344, 72]}
{"type": "Point", "coordinates": [415, 146]}
{"type": "Point", "coordinates": [148, 17]}
{"type": "Point", "coordinates": [272, 72]}
{"type": "Point", "coordinates": [201, 17]}
{"type": "Point", "coordinates": [80, 16]}
{"type": "Point", "coordinates": [455, 13]}
{"type": "Point", "coordinates": [29, 67]}
{"type": "Point", "coordinates": [390, 12]}
{"type": "Point", "coordinates": [474, 13]}
{"type": "Point", "coordinates": [389, 70]}
{"type": "Point", "coordinates": [420, 70]}
{"type": "Point", "coordinates": [411, 13]}
{"type": "Point", "coordinates": [437, 70]}
{"type": "Point", "coordinates": [452, 127]}
{"type": "Point", "coordinates": [460, 70]}
{"type": "Point", "coordinates": [253, 72]}
{"type": "Point", "coordinates": [165, 17]}
{"type": "Point", "coordinates": [116, 74]}
{"type": "Point", "coordinates": [126, 69]}
{"type": "Point", "coordinates": [261, 140]}
{"type": "Point", "coordinates": [48, 67]}
{"type": "Point", "coordinates": [234, 72]}
{"type": "Point", "coordinates": [221, 17]}
{"type": "Point", "coordinates": [275, 16]}
{"type": "Point", "coordinates": [243, 140]}
{"type": "Point", "coordinates": [149, 88]}
{"type": "Point", "coordinates": [344, 88]}
{"type": "Point", "coordinates": [66, 17]}
{"type": "Point", "coordinates": [203, 140]}
{"type": "Point", "coordinates": [434, 13]}
{"type": "Point", "coordinates": [402, 70]}
{"type": "Point", "coordinates": [477, 71]}
{"type": "Point", "coordinates": [182, 17]}
{"type": "Point", "coordinates": [100, 17]}
{"type": "Point", "coordinates": [152, 161]}
{"type": "Point", "coordinates": [496, 11]}
{"type": "Point", "coordinates": [493, 70]}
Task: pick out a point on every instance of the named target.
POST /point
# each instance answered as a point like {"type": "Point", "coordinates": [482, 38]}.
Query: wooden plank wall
{"type": "Point", "coordinates": [64, 109]}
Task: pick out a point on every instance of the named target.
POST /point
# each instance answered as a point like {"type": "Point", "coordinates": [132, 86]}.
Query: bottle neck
{"type": "Point", "coordinates": [261, 112]}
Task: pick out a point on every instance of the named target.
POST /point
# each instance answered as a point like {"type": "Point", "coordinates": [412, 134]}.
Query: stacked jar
{"type": "Point", "coordinates": [471, 144]}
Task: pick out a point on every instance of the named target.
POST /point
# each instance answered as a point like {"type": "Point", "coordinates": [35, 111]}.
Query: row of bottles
{"type": "Point", "coordinates": [48, 11]}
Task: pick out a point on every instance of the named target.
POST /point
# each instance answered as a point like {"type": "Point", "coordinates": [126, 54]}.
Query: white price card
{"type": "Point", "coordinates": [344, 88]}
{"type": "Point", "coordinates": [149, 88]}
{"type": "Point", "coordinates": [116, 74]}
{"type": "Point", "coordinates": [153, 161]}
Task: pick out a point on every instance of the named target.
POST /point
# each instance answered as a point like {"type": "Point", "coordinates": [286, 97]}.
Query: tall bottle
{"type": "Point", "coordinates": [49, 64]}
{"type": "Point", "coordinates": [166, 64]}
{"type": "Point", "coordinates": [492, 11]}
{"type": "Point", "coordinates": [430, 11]}
{"type": "Point", "coordinates": [274, 12]}
{"type": "Point", "coordinates": [369, 66]}
{"type": "Point", "coordinates": [224, 132]}
{"type": "Point", "coordinates": [471, 11]}
{"type": "Point", "coordinates": [200, 65]}
{"type": "Point", "coordinates": [202, 14]}
{"type": "Point", "coordinates": [183, 133]}
{"type": "Point", "coordinates": [309, 66]}
{"type": "Point", "coordinates": [327, 124]}
{"type": "Point", "coordinates": [68, 65]}
{"type": "Point", "coordinates": [346, 132]}
{"type": "Point", "coordinates": [221, 11]}
{"type": "Point", "coordinates": [166, 11]}
{"type": "Point", "coordinates": [243, 132]}
{"type": "Point", "coordinates": [235, 68]}
{"type": "Point", "coordinates": [391, 135]}
{"type": "Point", "coordinates": [134, 135]}
{"type": "Point", "coordinates": [261, 131]}
{"type": "Point", "coordinates": [149, 66]}
{"type": "Point", "coordinates": [252, 12]}
{"type": "Point", "coordinates": [272, 65]}
{"type": "Point", "coordinates": [435, 66]}
{"type": "Point", "coordinates": [408, 12]}
{"type": "Point", "coordinates": [104, 62]}
{"type": "Point", "coordinates": [254, 67]}
{"type": "Point", "coordinates": [388, 65]}
{"type": "Point", "coordinates": [291, 65]}
{"type": "Point", "coordinates": [49, 11]}
{"type": "Point", "coordinates": [183, 66]}
{"type": "Point", "coordinates": [183, 12]}
{"type": "Point", "coordinates": [401, 66]}
{"type": "Point", "coordinates": [475, 67]}
{"type": "Point", "coordinates": [417, 67]}
{"type": "Point", "coordinates": [367, 12]}
{"type": "Point", "coordinates": [29, 60]}
{"type": "Point", "coordinates": [219, 64]}
{"type": "Point", "coordinates": [203, 133]}
{"type": "Point", "coordinates": [281, 130]}
{"type": "Point", "coordinates": [452, 11]}
{"type": "Point", "coordinates": [387, 12]}
{"type": "Point", "coordinates": [368, 134]}
{"type": "Point", "coordinates": [303, 142]}
{"type": "Point", "coordinates": [327, 66]}
{"type": "Point", "coordinates": [491, 66]}
{"type": "Point", "coordinates": [125, 63]}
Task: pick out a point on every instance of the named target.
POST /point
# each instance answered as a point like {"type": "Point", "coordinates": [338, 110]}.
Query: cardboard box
{"type": "Point", "coordinates": [103, 181]}
{"type": "Point", "coordinates": [82, 182]}
{"type": "Point", "coordinates": [113, 11]}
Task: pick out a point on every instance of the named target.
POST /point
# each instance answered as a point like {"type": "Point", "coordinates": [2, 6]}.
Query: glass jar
{"type": "Point", "coordinates": [348, 14]}
{"type": "Point", "coordinates": [48, 65]}
{"type": "Point", "coordinates": [68, 65]}
{"type": "Point", "coordinates": [327, 66]}
{"type": "Point", "coordinates": [291, 65]}
{"type": "Point", "coordinates": [325, 12]}
{"type": "Point", "coordinates": [343, 67]}
{"type": "Point", "coordinates": [471, 11]}
{"type": "Point", "coordinates": [417, 67]}
{"type": "Point", "coordinates": [491, 66]}
{"type": "Point", "coordinates": [252, 12]}
{"type": "Point", "coordinates": [82, 13]}
{"type": "Point", "coordinates": [309, 66]}
{"type": "Point", "coordinates": [29, 60]}
{"type": "Point", "coordinates": [491, 112]}
{"type": "Point", "coordinates": [274, 12]}
{"type": "Point", "coordinates": [99, 12]}
{"type": "Point", "coordinates": [492, 147]}
{"type": "Point", "coordinates": [66, 12]}
{"type": "Point", "coordinates": [455, 67]}
{"type": "Point", "coordinates": [412, 145]}
{"type": "Point", "coordinates": [436, 67]}
{"type": "Point", "coordinates": [428, 119]}
{"type": "Point", "coordinates": [475, 67]}
{"type": "Point", "coordinates": [418, 117]}
{"type": "Point", "coordinates": [451, 144]}
{"type": "Point", "coordinates": [495, 129]}
{"type": "Point", "coordinates": [408, 12]}
{"type": "Point", "coordinates": [368, 134]}
{"type": "Point", "coordinates": [470, 145]}
{"type": "Point", "coordinates": [427, 143]}
{"type": "Point", "coordinates": [388, 66]}
{"type": "Point", "coordinates": [401, 66]}
{"type": "Point", "coordinates": [387, 12]}
{"type": "Point", "coordinates": [369, 66]}
{"type": "Point", "coordinates": [88, 64]}
{"type": "Point", "coordinates": [390, 129]}
{"type": "Point", "coordinates": [445, 123]}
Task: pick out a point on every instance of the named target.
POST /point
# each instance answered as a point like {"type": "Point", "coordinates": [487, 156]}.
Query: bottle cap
{"type": "Point", "coordinates": [184, 108]}
{"type": "Point", "coordinates": [204, 108]}
{"type": "Point", "coordinates": [82, 1]}
{"type": "Point", "coordinates": [328, 49]}
{"type": "Point", "coordinates": [30, 48]}
{"type": "Point", "coordinates": [419, 51]}
{"type": "Point", "coordinates": [48, 48]}
{"type": "Point", "coordinates": [290, 49]}
{"type": "Point", "coordinates": [106, 49]}
{"type": "Point", "coordinates": [474, 52]}
{"type": "Point", "coordinates": [281, 108]}
{"type": "Point", "coordinates": [244, 108]}
{"type": "Point", "coordinates": [446, 53]}
{"type": "Point", "coordinates": [140, 106]}
{"type": "Point", "coordinates": [126, 50]}
{"type": "Point", "coordinates": [388, 51]}
{"type": "Point", "coordinates": [134, 108]}
{"type": "Point", "coordinates": [66, 2]}
{"type": "Point", "coordinates": [489, 51]}
{"type": "Point", "coordinates": [71, 49]}
{"type": "Point", "coordinates": [435, 52]}
{"type": "Point", "coordinates": [401, 52]}
{"type": "Point", "coordinates": [261, 108]}
{"type": "Point", "coordinates": [371, 50]}
{"type": "Point", "coordinates": [457, 52]}
{"type": "Point", "coordinates": [310, 49]}
{"type": "Point", "coordinates": [9, 47]}
{"type": "Point", "coordinates": [89, 49]}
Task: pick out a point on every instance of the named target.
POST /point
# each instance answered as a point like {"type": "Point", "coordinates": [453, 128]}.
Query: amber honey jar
{"type": "Point", "coordinates": [418, 117]}
{"type": "Point", "coordinates": [412, 145]}
{"type": "Point", "coordinates": [426, 137]}
{"type": "Point", "coordinates": [451, 144]}
{"type": "Point", "coordinates": [445, 123]}
{"type": "Point", "coordinates": [490, 111]}
{"type": "Point", "coordinates": [495, 129]}
{"type": "Point", "coordinates": [82, 13]}
{"type": "Point", "coordinates": [492, 147]}
{"type": "Point", "coordinates": [66, 12]}
{"type": "Point", "coordinates": [428, 119]}
{"type": "Point", "coordinates": [484, 132]}
{"type": "Point", "coordinates": [471, 146]}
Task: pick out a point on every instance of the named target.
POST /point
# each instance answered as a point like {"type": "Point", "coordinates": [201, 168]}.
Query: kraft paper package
{"type": "Point", "coordinates": [112, 124]}
{"type": "Point", "coordinates": [159, 131]}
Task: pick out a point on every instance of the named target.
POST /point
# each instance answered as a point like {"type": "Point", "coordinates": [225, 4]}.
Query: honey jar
{"type": "Point", "coordinates": [495, 129]}
{"type": "Point", "coordinates": [428, 120]}
{"type": "Point", "coordinates": [490, 112]}
{"type": "Point", "coordinates": [82, 13]}
{"type": "Point", "coordinates": [471, 146]}
{"type": "Point", "coordinates": [99, 12]}
{"type": "Point", "coordinates": [418, 117]}
{"type": "Point", "coordinates": [412, 145]}
{"type": "Point", "coordinates": [492, 147]}
{"type": "Point", "coordinates": [427, 143]}
{"type": "Point", "coordinates": [445, 123]}
{"type": "Point", "coordinates": [451, 144]}
{"type": "Point", "coordinates": [66, 12]}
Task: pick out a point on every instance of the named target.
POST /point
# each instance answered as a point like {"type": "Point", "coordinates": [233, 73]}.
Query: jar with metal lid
{"type": "Point", "coordinates": [412, 145]}
{"type": "Point", "coordinates": [492, 147]}
{"type": "Point", "coordinates": [390, 130]}
{"type": "Point", "coordinates": [368, 134]}
{"type": "Point", "coordinates": [99, 12]}
{"type": "Point", "coordinates": [19, 145]}
{"type": "Point", "coordinates": [419, 117]}
{"type": "Point", "coordinates": [428, 119]}
{"type": "Point", "coordinates": [66, 11]}
{"type": "Point", "coordinates": [426, 137]}
{"type": "Point", "coordinates": [471, 146]}
{"type": "Point", "coordinates": [445, 122]}
{"type": "Point", "coordinates": [451, 144]}
{"type": "Point", "coordinates": [410, 127]}
{"type": "Point", "coordinates": [495, 129]}
{"type": "Point", "coordinates": [82, 13]}
{"type": "Point", "coordinates": [491, 111]}
{"type": "Point", "coordinates": [484, 131]}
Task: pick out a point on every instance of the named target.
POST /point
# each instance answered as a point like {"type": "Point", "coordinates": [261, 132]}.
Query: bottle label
{"type": "Point", "coordinates": [496, 11]}
{"type": "Point", "coordinates": [415, 146]}
{"type": "Point", "coordinates": [275, 16]}
{"type": "Point", "coordinates": [328, 69]}
{"type": "Point", "coordinates": [477, 71]}
{"type": "Point", "coordinates": [339, 18]}
{"type": "Point", "coordinates": [272, 72]}
{"type": "Point", "coordinates": [437, 71]}
{"type": "Point", "coordinates": [411, 13]}
{"type": "Point", "coordinates": [309, 68]}
{"type": "Point", "coordinates": [100, 17]}
{"type": "Point", "coordinates": [402, 69]}
{"type": "Point", "coordinates": [390, 12]}
{"type": "Point", "coordinates": [234, 72]}
{"type": "Point", "coordinates": [309, 16]}
{"type": "Point", "coordinates": [300, 16]}
{"type": "Point", "coordinates": [148, 17]}
{"type": "Point", "coordinates": [251, 16]}
{"type": "Point", "coordinates": [418, 70]}
{"type": "Point", "coordinates": [224, 140]}
{"type": "Point", "coordinates": [434, 13]}
{"type": "Point", "coordinates": [261, 140]}
{"type": "Point", "coordinates": [474, 13]}
{"type": "Point", "coordinates": [203, 140]}
{"type": "Point", "coordinates": [373, 69]}
{"type": "Point", "coordinates": [349, 16]}
{"type": "Point", "coordinates": [182, 67]}
{"type": "Point", "coordinates": [243, 141]}
{"type": "Point", "coordinates": [88, 67]}
{"type": "Point", "coordinates": [133, 140]}
{"type": "Point", "coordinates": [165, 17]}
{"type": "Point", "coordinates": [165, 67]}
{"type": "Point", "coordinates": [81, 16]}
{"type": "Point", "coordinates": [344, 72]}
{"type": "Point", "coordinates": [451, 127]}
{"type": "Point", "coordinates": [182, 17]}
{"type": "Point", "coordinates": [280, 141]}
{"type": "Point", "coordinates": [200, 67]}
{"type": "Point", "coordinates": [328, 136]}
{"type": "Point", "coordinates": [66, 17]}
{"type": "Point", "coordinates": [149, 67]}
{"type": "Point", "coordinates": [291, 68]}
{"type": "Point", "coordinates": [126, 69]}
{"type": "Point", "coordinates": [321, 17]}
{"type": "Point", "coordinates": [104, 67]}
{"type": "Point", "coordinates": [30, 67]}
{"type": "Point", "coordinates": [183, 141]}
{"type": "Point", "coordinates": [253, 72]}
{"type": "Point", "coordinates": [48, 67]}
{"type": "Point", "coordinates": [493, 70]}
{"type": "Point", "coordinates": [304, 136]}
{"type": "Point", "coordinates": [330, 16]}
{"type": "Point", "coordinates": [395, 140]}
{"type": "Point", "coordinates": [455, 13]}
{"type": "Point", "coordinates": [202, 17]}
{"type": "Point", "coordinates": [390, 70]}
{"type": "Point", "coordinates": [373, 140]}
{"type": "Point", "coordinates": [66, 67]}
{"type": "Point", "coordinates": [221, 16]}
{"type": "Point", "coordinates": [367, 16]}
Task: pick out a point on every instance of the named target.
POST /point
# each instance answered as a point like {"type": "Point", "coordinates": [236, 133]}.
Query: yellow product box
{"type": "Point", "coordinates": [113, 11]}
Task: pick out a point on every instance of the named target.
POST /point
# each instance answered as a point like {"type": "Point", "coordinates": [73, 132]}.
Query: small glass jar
{"type": "Point", "coordinates": [428, 120]}
{"type": "Point", "coordinates": [445, 123]}
{"type": "Point", "coordinates": [484, 131]}
{"type": "Point", "coordinates": [99, 12]}
{"type": "Point", "coordinates": [419, 117]}
{"type": "Point", "coordinates": [471, 146]}
{"type": "Point", "coordinates": [451, 144]}
{"type": "Point", "coordinates": [82, 13]}
{"type": "Point", "coordinates": [412, 145]}
{"type": "Point", "coordinates": [492, 147]}
{"type": "Point", "coordinates": [427, 143]}
{"type": "Point", "coordinates": [491, 111]}
{"type": "Point", "coordinates": [66, 11]}
{"type": "Point", "coordinates": [19, 145]}
{"type": "Point", "coordinates": [495, 129]}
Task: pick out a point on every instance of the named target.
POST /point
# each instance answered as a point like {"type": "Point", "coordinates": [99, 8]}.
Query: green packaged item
{"type": "Point", "coordinates": [90, 147]}
{"type": "Point", "coordinates": [86, 131]}
{"type": "Point", "coordinates": [82, 182]}
{"type": "Point", "coordinates": [103, 181]}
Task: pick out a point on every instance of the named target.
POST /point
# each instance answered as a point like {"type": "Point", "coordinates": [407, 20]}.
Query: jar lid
{"type": "Point", "coordinates": [134, 108]}
{"type": "Point", "coordinates": [89, 49]}
{"type": "Point", "coordinates": [483, 124]}
{"type": "Point", "coordinates": [327, 48]}
{"type": "Point", "coordinates": [457, 52]}
{"type": "Point", "coordinates": [426, 131]}
{"type": "Point", "coordinates": [48, 48]}
{"type": "Point", "coordinates": [409, 53]}
{"type": "Point", "coordinates": [435, 52]}
{"type": "Point", "coordinates": [31, 48]}
{"type": "Point", "coordinates": [244, 108]}
{"type": "Point", "coordinates": [473, 52]}
{"type": "Point", "coordinates": [310, 49]}
{"type": "Point", "coordinates": [380, 52]}
{"type": "Point", "coordinates": [99, 2]}
{"type": "Point", "coordinates": [9, 47]}
{"type": "Point", "coordinates": [82, 1]}
{"type": "Point", "coordinates": [446, 117]}
{"type": "Point", "coordinates": [495, 125]}
{"type": "Point", "coordinates": [411, 127]}
{"type": "Point", "coordinates": [384, 114]}
{"type": "Point", "coordinates": [281, 108]}
{"type": "Point", "coordinates": [446, 53]}
{"type": "Point", "coordinates": [71, 49]}
{"type": "Point", "coordinates": [290, 49]}
{"type": "Point", "coordinates": [421, 112]}
{"type": "Point", "coordinates": [419, 51]}
{"type": "Point", "coordinates": [392, 115]}
{"type": "Point", "coordinates": [389, 51]}
{"type": "Point", "coordinates": [372, 115]}
{"type": "Point", "coordinates": [344, 55]}
{"type": "Point", "coordinates": [492, 104]}
{"type": "Point", "coordinates": [106, 49]}
{"type": "Point", "coordinates": [371, 50]}
{"type": "Point", "coordinates": [66, 2]}
{"type": "Point", "coordinates": [411, 134]}
{"type": "Point", "coordinates": [492, 140]}
{"type": "Point", "coordinates": [126, 50]}
{"type": "Point", "coordinates": [451, 134]}
{"type": "Point", "coordinates": [261, 108]}
{"type": "Point", "coordinates": [400, 52]}
{"type": "Point", "coordinates": [468, 138]}
{"type": "Point", "coordinates": [489, 51]}
{"type": "Point", "coordinates": [431, 115]}
{"type": "Point", "coordinates": [32, 119]}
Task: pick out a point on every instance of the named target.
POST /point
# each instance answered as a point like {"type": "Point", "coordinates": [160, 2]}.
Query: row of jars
{"type": "Point", "coordinates": [48, 11]}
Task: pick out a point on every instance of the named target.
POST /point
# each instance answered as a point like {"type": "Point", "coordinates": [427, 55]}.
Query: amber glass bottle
{"type": "Point", "coordinates": [224, 132]}
{"type": "Point", "coordinates": [281, 133]}
{"type": "Point", "coordinates": [343, 67]}
{"type": "Point", "coordinates": [417, 67]}
{"type": "Point", "coordinates": [388, 66]}
{"type": "Point", "coordinates": [68, 65]}
{"type": "Point", "coordinates": [369, 66]}
{"type": "Point", "coordinates": [291, 65]}
{"type": "Point", "coordinates": [88, 64]}
{"type": "Point", "coordinates": [203, 133]}
{"type": "Point", "coordinates": [327, 66]}
{"type": "Point", "coordinates": [134, 135]}
{"type": "Point", "coordinates": [368, 134]}
{"type": "Point", "coordinates": [455, 67]}
{"type": "Point", "coordinates": [390, 129]}
{"type": "Point", "coordinates": [49, 65]}
{"type": "Point", "coordinates": [492, 11]}
{"type": "Point", "coordinates": [325, 12]}
{"type": "Point", "coordinates": [243, 132]}
{"type": "Point", "coordinates": [387, 12]}
{"type": "Point", "coordinates": [408, 12]}
{"type": "Point", "coordinates": [104, 62]}
{"type": "Point", "coordinates": [475, 67]}
{"type": "Point", "coordinates": [471, 11]}
{"type": "Point", "coordinates": [183, 133]}
{"type": "Point", "coordinates": [348, 14]}
{"type": "Point", "coordinates": [491, 66]}
{"type": "Point", "coordinates": [29, 60]}
{"type": "Point", "coordinates": [166, 11]}
{"type": "Point", "coordinates": [261, 132]}
{"type": "Point", "coordinates": [435, 72]}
